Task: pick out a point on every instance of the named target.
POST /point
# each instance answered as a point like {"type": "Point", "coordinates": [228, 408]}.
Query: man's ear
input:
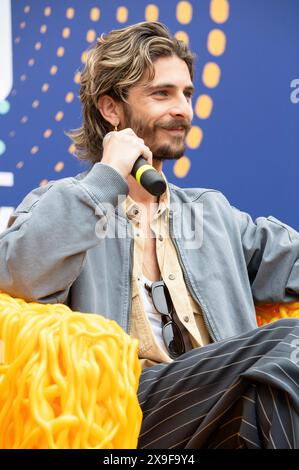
{"type": "Point", "coordinates": [110, 109]}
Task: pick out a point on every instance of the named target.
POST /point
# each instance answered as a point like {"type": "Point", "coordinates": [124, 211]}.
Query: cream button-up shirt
{"type": "Point", "coordinates": [187, 310]}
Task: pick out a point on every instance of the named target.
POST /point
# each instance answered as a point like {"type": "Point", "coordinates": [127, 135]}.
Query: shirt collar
{"type": "Point", "coordinates": [132, 209]}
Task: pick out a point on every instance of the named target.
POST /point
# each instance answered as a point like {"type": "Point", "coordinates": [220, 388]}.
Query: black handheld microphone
{"type": "Point", "coordinates": [148, 177]}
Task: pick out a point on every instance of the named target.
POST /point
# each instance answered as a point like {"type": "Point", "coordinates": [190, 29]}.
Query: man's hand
{"type": "Point", "coordinates": [122, 148]}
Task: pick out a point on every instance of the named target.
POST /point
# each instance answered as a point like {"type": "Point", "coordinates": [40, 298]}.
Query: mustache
{"type": "Point", "coordinates": [175, 124]}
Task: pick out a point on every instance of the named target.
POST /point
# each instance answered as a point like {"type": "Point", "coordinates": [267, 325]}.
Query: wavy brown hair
{"type": "Point", "coordinates": [114, 63]}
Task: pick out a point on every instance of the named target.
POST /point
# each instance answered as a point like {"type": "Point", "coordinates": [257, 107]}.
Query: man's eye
{"type": "Point", "coordinates": [188, 94]}
{"type": "Point", "coordinates": [161, 93]}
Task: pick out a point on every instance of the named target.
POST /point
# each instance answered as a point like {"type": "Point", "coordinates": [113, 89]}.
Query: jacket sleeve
{"type": "Point", "coordinates": [271, 250]}
{"type": "Point", "coordinates": [43, 250]}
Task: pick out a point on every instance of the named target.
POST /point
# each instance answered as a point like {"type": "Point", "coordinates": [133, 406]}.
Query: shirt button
{"type": "Point", "coordinates": [160, 238]}
{"type": "Point", "coordinates": [171, 277]}
{"type": "Point", "coordinates": [186, 318]}
{"type": "Point", "coordinates": [137, 234]}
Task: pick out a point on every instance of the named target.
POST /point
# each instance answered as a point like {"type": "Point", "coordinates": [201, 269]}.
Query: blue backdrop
{"type": "Point", "coordinates": [245, 137]}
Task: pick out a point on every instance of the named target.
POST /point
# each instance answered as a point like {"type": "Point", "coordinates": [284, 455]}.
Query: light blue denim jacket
{"type": "Point", "coordinates": [60, 248]}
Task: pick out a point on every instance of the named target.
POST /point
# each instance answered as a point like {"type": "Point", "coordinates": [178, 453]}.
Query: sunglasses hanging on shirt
{"type": "Point", "coordinates": [172, 336]}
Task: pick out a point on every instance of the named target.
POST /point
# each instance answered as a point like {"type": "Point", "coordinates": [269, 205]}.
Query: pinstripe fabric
{"type": "Point", "coordinates": [240, 392]}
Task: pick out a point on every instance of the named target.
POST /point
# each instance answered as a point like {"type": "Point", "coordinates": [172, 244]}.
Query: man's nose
{"type": "Point", "coordinates": [182, 107]}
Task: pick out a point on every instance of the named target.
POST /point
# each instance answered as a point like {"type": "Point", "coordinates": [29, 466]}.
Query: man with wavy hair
{"type": "Point", "coordinates": [179, 272]}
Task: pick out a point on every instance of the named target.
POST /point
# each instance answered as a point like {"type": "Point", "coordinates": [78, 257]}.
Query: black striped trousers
{"type": "Point", "coordinates": [239, 392]}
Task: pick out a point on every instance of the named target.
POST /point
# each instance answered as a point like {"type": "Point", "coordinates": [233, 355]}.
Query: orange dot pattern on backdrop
{"type": "Point", "coordinates": [51, 40]}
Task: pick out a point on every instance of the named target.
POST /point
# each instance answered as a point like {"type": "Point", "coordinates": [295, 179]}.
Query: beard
{"type": "Point", "coordinates": [147, 132]}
